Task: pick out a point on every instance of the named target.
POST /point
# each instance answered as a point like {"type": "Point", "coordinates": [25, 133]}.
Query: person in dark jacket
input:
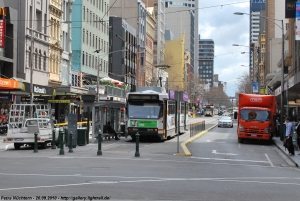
{"type": "Point", "coordinates": [289, 136]}
{"type": "Point", "coordinates": [109, 129]}
{"type": "Point", "coordinates": [298, 134]}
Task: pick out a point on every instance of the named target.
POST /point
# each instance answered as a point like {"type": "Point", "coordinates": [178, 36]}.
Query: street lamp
{"type": "Point", "coordinates": [161, 67]}
{"type": "Point", "coordinates": [282, 58]}
{"type": "Point", "coordinates": [251, 48]}
{"type": "Point", "coordinates": [31, 57]}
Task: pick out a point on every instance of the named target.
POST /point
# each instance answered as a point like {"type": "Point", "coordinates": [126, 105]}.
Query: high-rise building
{"type": "Point", "coordinates": [255, 11]}
{"type": "Point", "coordinates": [182, 16]}
{"type": "Point", "coordinates": [90, 43]}
{"type": "Point", "coordinates": [206, 61]}
{"type": "Point", "coordinates": [134, 12]}
{"type": "Point", "coordinates": [159, 42]}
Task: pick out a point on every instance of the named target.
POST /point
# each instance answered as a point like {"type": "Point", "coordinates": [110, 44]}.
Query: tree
{"type": "Point", "coordinates": [244, 84]}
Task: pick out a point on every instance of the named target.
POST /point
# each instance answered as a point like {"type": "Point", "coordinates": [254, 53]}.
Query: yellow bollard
{"type": "Point", "coordinates": [194, 115]}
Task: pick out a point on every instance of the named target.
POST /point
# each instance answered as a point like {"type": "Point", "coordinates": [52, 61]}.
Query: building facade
{"type": "Point", "coordinates": [135, 14]}
{"type": "Point", "coordinates": [90, 43]}
{"type": "Point", "coordinates": [255, 11]}
{"type": "Point", "coordinates": [206, 61]}
{"type": "Point", "coordinates": [55, 49]}
{"type": "Point", "coordinates": [175, 57]}
{"type": "Point", "coordinates": [150, 75]}
{"type": "Point", "coordinates": [123, 54]}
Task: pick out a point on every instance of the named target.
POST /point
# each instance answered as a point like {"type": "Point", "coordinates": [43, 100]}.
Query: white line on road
{"type": "Point", "coordinates": [138, 180]}
{"type": "Point", "coordinates": [230, 154]}
{"type": "Point", "coordinates": [269, 160]}
{"type": "Point", "coordinates": [224, 159]}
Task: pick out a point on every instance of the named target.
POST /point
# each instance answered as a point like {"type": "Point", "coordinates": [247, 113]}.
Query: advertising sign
{"type": "Point", "coordinates": [172, 94]}
{"type": "Point", "coordinates": [290, 8]}
{"type": "Point", "coordinates": [297, 22]}
{"type": "Point", "coordinates": [185, 97]}
{"type": "Point", "coordinates": [2, 32]}
{"type": "Point", "coordinates": [143, 123]}
{"type": "Point", "coordinates": [6, 98]}
{"type": "Point", "coordinates": [255, 87]}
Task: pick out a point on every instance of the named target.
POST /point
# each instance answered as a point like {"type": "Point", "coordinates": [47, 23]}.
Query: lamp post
{"type": "Point", "coordinates": [31, 57]}
{"type": "Point", "coordinates": [251, 48]}
{"type": "Point", "coordinates": [282, 58]}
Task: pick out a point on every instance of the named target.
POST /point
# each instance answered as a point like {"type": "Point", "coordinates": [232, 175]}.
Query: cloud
{"type": "Point", "coordinates": [218, 23]}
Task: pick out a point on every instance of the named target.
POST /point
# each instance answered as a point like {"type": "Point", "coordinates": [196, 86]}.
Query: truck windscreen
{"type": "Point", "coordinates": [255, 115]}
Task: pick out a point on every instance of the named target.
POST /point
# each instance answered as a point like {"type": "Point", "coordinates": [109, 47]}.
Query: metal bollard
{"type": "Point", "coordinates": [71, 142]}
{"type": "Point", "coordinates": [99, 152]}
{"type": "Point", "coordinates": [61, 142]}
{"type": "Point", "coordinates": [53, 139]}
{"type": "Point", "coordinates": [137, 137]}
{"type": "Point", "coordinates": [35, 143]}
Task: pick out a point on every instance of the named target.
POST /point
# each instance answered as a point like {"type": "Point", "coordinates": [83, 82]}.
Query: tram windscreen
{"type": "Point", "coordinates": [142, 110]}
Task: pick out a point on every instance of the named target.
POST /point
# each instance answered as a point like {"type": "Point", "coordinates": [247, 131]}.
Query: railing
{"type": "Point", "coordinates": [197, 128]}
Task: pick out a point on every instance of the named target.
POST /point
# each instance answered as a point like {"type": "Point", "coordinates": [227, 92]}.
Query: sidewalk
{"type": "Point", "coordinates": [295, 159]}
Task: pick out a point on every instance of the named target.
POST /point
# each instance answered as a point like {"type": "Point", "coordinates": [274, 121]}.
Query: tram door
{"type": "Point", "coordinates": [165, 118]}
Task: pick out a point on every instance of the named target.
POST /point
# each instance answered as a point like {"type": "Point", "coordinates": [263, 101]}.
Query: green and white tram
{"type": "Point", "coordinates": [151, 113]}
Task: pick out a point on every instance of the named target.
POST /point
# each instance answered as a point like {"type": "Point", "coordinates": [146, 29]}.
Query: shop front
{"type": "Point", "coordinates": [68, 101]}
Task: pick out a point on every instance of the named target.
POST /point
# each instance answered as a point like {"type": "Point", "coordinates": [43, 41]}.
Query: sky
{"type": "Point", "coordinates": [217, 22]}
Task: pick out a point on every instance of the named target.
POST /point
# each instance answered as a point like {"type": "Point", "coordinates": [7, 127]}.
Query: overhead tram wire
{"type": "Point", "coordinates": [221, 5]}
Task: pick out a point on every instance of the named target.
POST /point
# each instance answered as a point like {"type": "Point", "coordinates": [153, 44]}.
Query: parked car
{"type": "Point", "coordinates": [225, 121]}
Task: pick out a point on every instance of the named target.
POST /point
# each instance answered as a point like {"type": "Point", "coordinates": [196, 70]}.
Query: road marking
{"type": "Point", "coordinates": [228, 154]}
{"type": "Point", "coordinates": [224, 159]}
{"type": "Point", "coordinates": [155, 179]}
{"type": "Point", "coordinates": [269, 160]}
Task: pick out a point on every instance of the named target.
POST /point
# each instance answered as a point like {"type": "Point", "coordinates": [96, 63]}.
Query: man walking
{"type": "Point", "coordinates": [289, 136]}
{"type": "Point", "coordinates": [298, 134]}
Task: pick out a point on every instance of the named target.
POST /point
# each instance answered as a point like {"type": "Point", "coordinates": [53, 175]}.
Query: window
{"type": "Point", "coordinates": [45, 62]}
{"type": "Point", "coordinates": [83, 35]}
{"type": "Point", "coordinates": [40, 60]}
{"type": "Point", "coordinates": [83, 12]}
{"type": "Point", "coordinates": [83, 58]}
{"type": "Point", "coordinates": [36, 59]}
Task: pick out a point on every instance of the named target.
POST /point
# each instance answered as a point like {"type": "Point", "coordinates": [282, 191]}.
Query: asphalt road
{"type": "Point", "coordinates": [220, 169]}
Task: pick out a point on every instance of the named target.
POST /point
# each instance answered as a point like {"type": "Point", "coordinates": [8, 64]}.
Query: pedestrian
{"type": "Point", "coordinates": [289, 136]}
{"type": "Point", "coordinates": [109, 129]}
{"type": "Point", "coordinates": [298, 134]}
{"type": "Point", "coordinates": [277, 124]}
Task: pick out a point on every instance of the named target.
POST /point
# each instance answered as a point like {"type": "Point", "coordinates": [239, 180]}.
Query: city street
{"type": "Point", "coordinates": [219, 169]}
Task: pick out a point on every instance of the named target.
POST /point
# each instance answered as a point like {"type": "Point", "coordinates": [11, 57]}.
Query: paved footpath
{"type": "Point", "coordinates": [295, 159]}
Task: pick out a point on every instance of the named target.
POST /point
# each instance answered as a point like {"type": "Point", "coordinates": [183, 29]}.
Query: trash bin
{"type": "Point", "coordinates": [81, 136]}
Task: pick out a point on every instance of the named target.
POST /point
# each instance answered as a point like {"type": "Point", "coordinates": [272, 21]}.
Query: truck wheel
{"type": "Point", "coordinates": [17, 146]}
{"type": "Point", "coordinates": [240, 140]}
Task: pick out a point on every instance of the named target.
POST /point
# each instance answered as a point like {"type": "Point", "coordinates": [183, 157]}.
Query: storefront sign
{"type": "Point", "coordinates": [59, 101]}
{"type": "Point", "coordinates": [2, 32]}
{"type": "Point", "coordinates": [36, 99]}
{"type": "Point", "coordinates": [290, 8]}
{"type": "Point", "coordinates": [8, 84]}
{"type": "Point", "coordinates": [6, 98]}
{"type": "Point", "coordinates": [39, 90]}
{"type": "Point", "coordinates": [2, 11]}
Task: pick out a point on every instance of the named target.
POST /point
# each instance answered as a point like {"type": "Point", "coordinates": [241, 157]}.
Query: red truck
{"type": "Point", "coordinates": [256, 117]}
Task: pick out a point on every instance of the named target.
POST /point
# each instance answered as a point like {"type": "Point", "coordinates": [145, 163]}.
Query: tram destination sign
{"type": "Point", "coordinates": [142, 97]}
